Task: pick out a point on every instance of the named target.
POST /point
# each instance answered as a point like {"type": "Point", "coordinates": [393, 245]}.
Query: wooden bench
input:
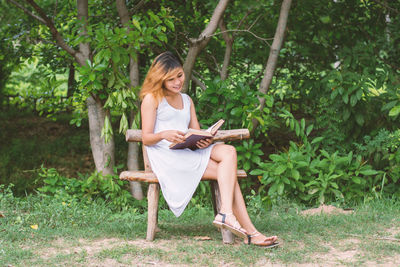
{"type": "Point", "coordinates": [153, 192]}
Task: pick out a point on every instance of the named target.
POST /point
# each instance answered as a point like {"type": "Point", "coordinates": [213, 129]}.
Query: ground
{"type": "Point", "coordinates": [175, 245]}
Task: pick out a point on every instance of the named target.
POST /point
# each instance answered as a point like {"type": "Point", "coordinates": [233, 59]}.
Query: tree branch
{"type": "Point", "coordinates": [49, 23]}
{"type": "Point", "coordinates": [385, 5]}
{"type": "Point", "coordinates": [26, 11]}
{"type": "Point", "coordinates": [238, 30]}
{"type": "Point", "coordinates": [273, 54]}
{"type": "Point", "coordinates": [199, 83]}
{"type": "Point", "coordinates": [228, 50]}
{"type": "Point", "coordinates": [216, 16]}
{"type": "Point", "coordinates": [137, 7]}
{"type": "Point", "coordinates": [196, 45]}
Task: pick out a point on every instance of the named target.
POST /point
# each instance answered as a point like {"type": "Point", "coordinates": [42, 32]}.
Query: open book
{"type": "Point", "coordinates": [192, 136]}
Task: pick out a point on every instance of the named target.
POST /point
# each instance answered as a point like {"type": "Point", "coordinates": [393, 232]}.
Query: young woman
{"type": "Point", "coordinates": [166, 116]}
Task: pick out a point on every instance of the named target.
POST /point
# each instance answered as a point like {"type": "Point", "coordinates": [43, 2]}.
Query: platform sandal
{"type": "Point", "coordinates": [269, 242]}
{"type": "Point", "coordinates": [235, 227]}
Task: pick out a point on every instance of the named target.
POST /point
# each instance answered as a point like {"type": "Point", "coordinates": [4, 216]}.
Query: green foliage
{"type": "Point", "coordinates": [87, 188]}
{"type": "Point", "coordinates": [249, 153]}
{"type": "Point", "coordinates": [314, 175]}
{"type": "Point", "coordinates": [106, 75]}
{"type": "Point", "coordinates": [338, 70]}
{"type": "Point", "coordinates": [257, 202]}
{"type": "Point", "coordinates": [383, 152]}
{"type": "Point", "coordinates": [236, 102]}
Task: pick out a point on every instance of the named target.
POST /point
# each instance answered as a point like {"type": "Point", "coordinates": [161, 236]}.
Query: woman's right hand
{"type": "Point", "coordinates": [174, 136]}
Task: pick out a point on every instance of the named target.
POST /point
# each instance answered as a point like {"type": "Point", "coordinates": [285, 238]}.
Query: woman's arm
{"type": "Point", "coordinates": [194, 124]}
{"type": "Point", "coordinates": [149, 113]}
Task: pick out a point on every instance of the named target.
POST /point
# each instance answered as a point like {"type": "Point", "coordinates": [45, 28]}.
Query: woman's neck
{"type": "Point", "coordinates": [171, 95]}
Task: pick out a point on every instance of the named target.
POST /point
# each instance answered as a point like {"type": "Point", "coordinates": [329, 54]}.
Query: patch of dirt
{"type": "Point", "coordinates": [92, 248]}
{"type": "Point", "coordinates": [326, 209]}
{"type": "Point", "coordinates": [346, 252]}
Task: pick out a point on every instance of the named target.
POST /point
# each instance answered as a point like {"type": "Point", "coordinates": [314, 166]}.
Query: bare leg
{"type": "Point", "coordinates": [222, 167]}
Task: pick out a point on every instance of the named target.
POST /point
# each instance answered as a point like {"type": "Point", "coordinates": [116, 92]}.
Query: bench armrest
{"type": "Point", "coordinates": [222, 135]}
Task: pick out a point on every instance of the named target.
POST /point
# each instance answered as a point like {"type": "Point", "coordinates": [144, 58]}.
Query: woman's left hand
{"type": "Point", "coordinates": [204, 143]}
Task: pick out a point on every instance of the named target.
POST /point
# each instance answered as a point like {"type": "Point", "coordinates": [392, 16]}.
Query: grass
{"type": "Point", "coordinates": [73, 232]}
{"type": "Point", "coordinates": [86, 234]}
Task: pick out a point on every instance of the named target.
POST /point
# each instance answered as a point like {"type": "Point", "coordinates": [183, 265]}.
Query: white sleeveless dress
{"type": "Point", "coordinates": [178, 171]}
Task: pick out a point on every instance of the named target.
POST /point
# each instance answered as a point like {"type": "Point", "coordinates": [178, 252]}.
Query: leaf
{"type": "Point", "coordinates": [275, 157]}
{"type": "Point", "coordinates": [170, 24]}
{"type": "Point", "coordinates": [123, 125]}
{"type": "Point", "coordinates": [389, 105]}
{"type": "Point", "coordinates": [297, 130]}
{"type": "Point", "coordinates": [111, 80]}
{"type": "Point", "coordinates": [394, 111]}
{"type": "Point", "coordinates": [281, 169]}
{"type": "Point", "coordinates": [317, 140]}
{"type": "Point", "coordinates": [313, 191]}
{"type": "Point", "coordinates": [295, 174]}
{"type": "Point", "coordinates": [359, 93]}
{"type": "Point", "coordinates": [34, 226]}
{"type": "Point", "coordinates": [136, 24]}
{"type": "Point", "coordinates": [368, 172]}
{"type": "Point", "coordinates": [325, 19]}
{"type": "Point", "coordinates": [346, 114]}
{"type": "Point", "coordinates": [345, 98]}
{"type": "Point", "coordinates": [309, 129]}
{"type": "Point", "coordinates": [92, 76]}
{"type": "Point", "coordinates": [359, 119]}
{"type": "Point", "coordinates": [353, 100]}
{"type": "Point", "coordinates": [202, 238]}
{"type": "Point", "coordinates": [256, 172]}
{"type": "Point", "coordinates": [325, 153]}
{"type": "Point", "coordinates": [281, 187]}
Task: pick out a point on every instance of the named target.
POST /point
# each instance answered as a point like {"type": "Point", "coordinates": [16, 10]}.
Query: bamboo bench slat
{"type": "Point", "coordinates": [222, 135]}
{"type": "Point", "coordinates": [150, 177]}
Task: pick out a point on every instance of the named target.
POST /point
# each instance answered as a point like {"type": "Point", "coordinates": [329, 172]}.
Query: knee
{"type": "Point", "coordinates": [230, 152]}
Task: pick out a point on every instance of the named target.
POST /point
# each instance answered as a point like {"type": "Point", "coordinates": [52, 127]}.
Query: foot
{"type": "Point", "coordinates": [228, 221]}
{"type": "Point", "coordinates": [259, 239]}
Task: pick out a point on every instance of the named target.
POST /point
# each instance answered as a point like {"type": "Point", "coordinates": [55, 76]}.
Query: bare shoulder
{"type": "Point", "coordinates": [190, 99]}
{"type": "Point", "coordinates": [149, 101]}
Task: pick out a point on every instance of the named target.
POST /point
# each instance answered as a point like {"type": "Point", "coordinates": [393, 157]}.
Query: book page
{"type": "Point", "coordinates": [212, 126]}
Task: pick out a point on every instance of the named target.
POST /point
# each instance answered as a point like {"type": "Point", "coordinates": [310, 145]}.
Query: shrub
{"type": "Point", "coordinates": [87, 188]}
{"type": "Point", "coordinates": [313, 175]}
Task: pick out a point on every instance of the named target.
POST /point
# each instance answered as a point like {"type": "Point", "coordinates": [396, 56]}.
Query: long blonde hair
{"type": "Point", "coordinates": [163, 67]}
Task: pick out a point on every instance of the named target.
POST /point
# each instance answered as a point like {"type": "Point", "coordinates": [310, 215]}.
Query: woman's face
{"type": "Point", "coordinates": [174, 83]}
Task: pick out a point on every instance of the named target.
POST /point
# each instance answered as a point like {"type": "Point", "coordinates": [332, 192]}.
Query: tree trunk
{"type": "Point", "coordinates": [196, 45]}
{"type": "Point", "coordinates": [71, 81]}
{"type": "Point", "coordinates": [274, 53]}
{"type": "Point", "coordinates": [103, 153]}
{"type": "Point", "coordinates": [133, 148]}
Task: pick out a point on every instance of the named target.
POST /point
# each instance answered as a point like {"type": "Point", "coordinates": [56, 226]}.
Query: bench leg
{"type": "Point", "coordinates": [227, 236]}
{"type": "Point", "coordinates": [153, 195]}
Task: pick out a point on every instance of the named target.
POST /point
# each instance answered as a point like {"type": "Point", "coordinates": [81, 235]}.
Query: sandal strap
{"type": "Point", "coordinates": [235, 222]}
{"type": "Point", "coordinates": [248, 239]}
{"type": "Point", "coordinates": [254, 234]}
{"type": "Point", "coordinates": [249, 236]}
{"type": "Point", "coordinates": [223, 215]}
